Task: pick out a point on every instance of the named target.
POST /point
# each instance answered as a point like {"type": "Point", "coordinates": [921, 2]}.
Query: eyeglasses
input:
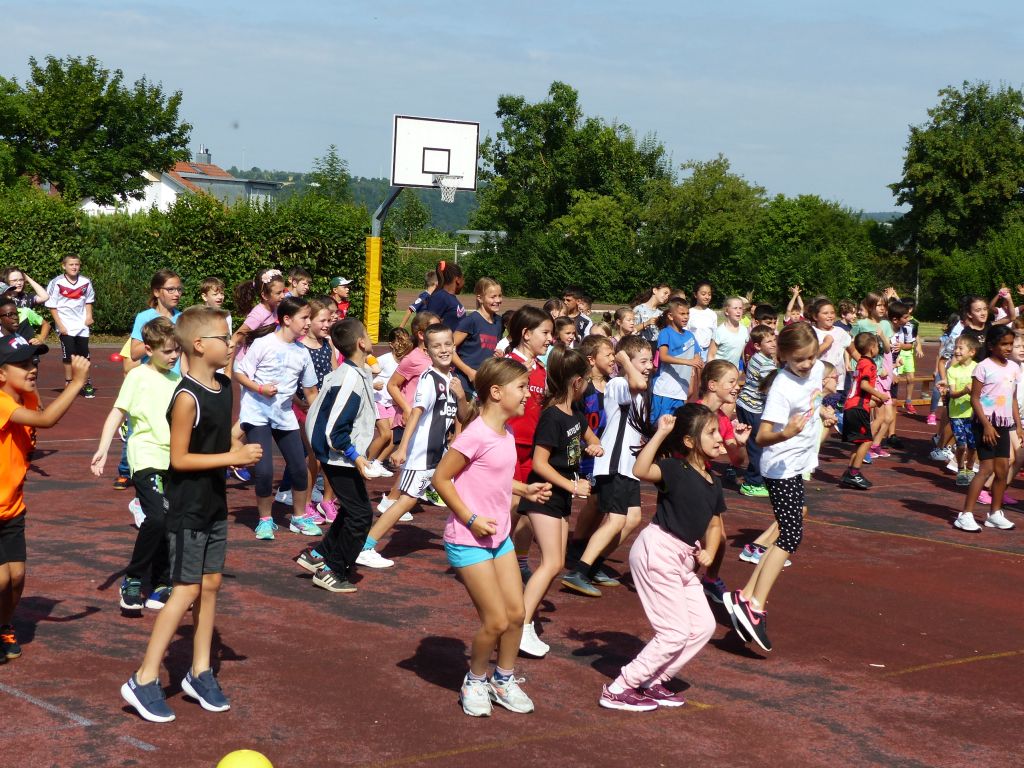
{"type": "Point", "coordinates": [9, 314]}
{"type": "Point", "coordinates": [225, 339]}
{"type": "Point", "coordinates": [178, 289]}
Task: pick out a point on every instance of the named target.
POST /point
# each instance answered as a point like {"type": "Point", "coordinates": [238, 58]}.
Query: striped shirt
{"type": "Point", "coordinates": [758, 367]}
{"type": "Point", "coordinates": [430, 440]}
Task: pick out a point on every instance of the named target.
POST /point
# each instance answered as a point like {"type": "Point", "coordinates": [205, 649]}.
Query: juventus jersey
{"type": "Point", "coordinates": [430, 440]}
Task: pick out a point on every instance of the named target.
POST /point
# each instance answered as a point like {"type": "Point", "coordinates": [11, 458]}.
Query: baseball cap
{"type": "Point", "coordinates": [14, 349]}
{"type": "Point", "coordinates": [336, 281]}
{"type": "Point", "coordinates": [4, 288]}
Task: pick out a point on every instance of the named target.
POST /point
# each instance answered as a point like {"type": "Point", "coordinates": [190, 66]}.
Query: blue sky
{"type": "Point", "coordinates": [801, 97]}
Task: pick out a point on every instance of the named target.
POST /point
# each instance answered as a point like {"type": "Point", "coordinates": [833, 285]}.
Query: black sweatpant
{"type": "Point", "coordinates": [150, 561]}
{"type": "Point", "coordinates": [344, 540]}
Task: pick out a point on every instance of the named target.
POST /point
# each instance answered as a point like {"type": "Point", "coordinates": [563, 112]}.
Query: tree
{"type": "Point", "coordinates": [963, 175]}
{"type": "Point", "coordinates": [329, 177]}
{"type": "Point", "coordinates": [76, 125]}
{"type": "Point", "coordinates": [409, 217]}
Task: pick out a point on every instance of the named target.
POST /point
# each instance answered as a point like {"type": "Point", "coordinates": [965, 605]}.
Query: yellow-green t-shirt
{"type": "Point", "coordinates": [145, 397]}
{"type": "Point", "coordinates": [959, 376]}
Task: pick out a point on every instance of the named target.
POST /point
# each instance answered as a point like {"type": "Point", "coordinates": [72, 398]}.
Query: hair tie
{"type": "Point", "coordinates": [441, 266]}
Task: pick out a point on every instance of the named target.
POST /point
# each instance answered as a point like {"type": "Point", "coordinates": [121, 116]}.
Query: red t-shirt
{"type": "Point", "coordinates": [524, 426]}
{"type": "Point", "coordinates": [724, 424]}
{"type": "Point", "coordinates": [866, 371]}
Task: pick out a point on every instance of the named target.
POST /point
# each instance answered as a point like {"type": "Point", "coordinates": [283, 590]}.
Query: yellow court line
{"type": "Point", "coordinates": [505, 744]}
{"type": "Point", "coordinates": [845, 526]}
{"type": "Point", "coordinates": [954, 662]}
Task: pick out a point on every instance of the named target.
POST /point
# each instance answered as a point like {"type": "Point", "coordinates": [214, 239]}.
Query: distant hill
{"type": "Point", "coordinates": [882, 215]}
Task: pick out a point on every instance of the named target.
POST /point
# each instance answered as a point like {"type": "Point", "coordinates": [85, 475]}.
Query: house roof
{"type": "Point", "coordinates": [181, 172]}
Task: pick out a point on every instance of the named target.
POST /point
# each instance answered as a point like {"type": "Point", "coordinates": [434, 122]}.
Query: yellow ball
{"type": "Point", "coordinates": [244, 758]}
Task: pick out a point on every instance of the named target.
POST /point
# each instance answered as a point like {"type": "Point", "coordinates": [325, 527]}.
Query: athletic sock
{"type": "Point", "coordinates": [502, 675]}
{"type": "Point", "coordinates": [370, 543]}
{"type": "Point", "coordinates": [616, 687]}
{"type": "Point", "coordinates": [480, 678]}
{"type": "Point", "coordinates": [524, 561]}
{"type": "Point", "coordinates": [314, 553]}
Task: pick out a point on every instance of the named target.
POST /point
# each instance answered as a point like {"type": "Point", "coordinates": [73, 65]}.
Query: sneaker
{"type": "Point", "coordinates": [309, 561]}
{"type": "Point", "coordinates": [305, 526]}
{"type": "Point", "coordinates": [406, 517]}
{"type": "Point", "coordinates": [532, 645]}
{"type": "Point", "coordinates": [372, 470]}
{"type": "Point", "coordinates": [909, 408]}
{"type": "Point", "coordinates": [88, 391]}
{"type": "Point", "coordinates": [431, 497]}
{"type": "Point", "coordinates": [283, 497]}
{"type": "Point", "coordinates": [265, 529]}
{"type": "Point", "coordinates": [148, 700]}
{"type": "Point", "coordinates": [938, 454]}
{"type": "Point", "coordinates": [313, 513]}
{"type": "Point", "coordinates": [329, 510]}
{"type": "Point", "coordinates": [714, 589]}
{"type": "Point", "coordinates": [729, 474]}
{"type": "Point", "coordinates": [878, 452]}
{"type": "Point", "coordinates": [603, 579]}
{"type": "Point", "coordinates": [630, 700]}
{"type": "Point", "coordinates": [577, 582]}
{"type": "Point", "coordinates": [965, 522]}
{"type": "Point", "coordinates": [206, 690]}
{"type": "Point", "coordinates": [931, 421]}
{"type": "Point", "coordinates": [952, 465]}
{"type": "Point", "coordinates": [663, 695]}
{"type": "Point", "coordinates": [131, 594]}
{"type": "Point", "coordinates": [241, 474]}
{"type": "Point", "coordinates": [838, 426]}
{"type": "Point", "coordinates": [121, 483]}
{"type": "Point", "coordinates": [158, 597]}
{"type": "Point", "coordinates": [963, 478]}
{"type": "Point", "coordinates": [327, 579]}
{"type": "Point", "coordinates": [1008, 499]}
{"type": "Point", "coordinates": [135, 508]}
{"type": "Point", "coordinates": [371, 558]}
{"type": "Point", "coordinates": [867, 458]}
{"type": "Point", "coordinates": [755, 622]}
{"type": "Point", "coordinates": [998, 520]}
{"type": "Point", "coordinates": [508, 694]}
{"type": "Point", "coordinates": [384, 504]}
{"type": "Point", "coordinates": [751, 553]}
{"type": "Point", "coordinates": [475, 697]}
{"type": "Point", "coordinates": [731, 602]}
{"type": "Point", "coordinates": [984, 497]}
{"type": "Point", "coordinates": [122, 431]}
{"type": "Point", "coordinates": [753, 490]}
{"type": "Point", "coordinates": [380, 469]}
{"type": "Point", "coordinates": [316, 495]}
{"type": "Point", "coordinates": [855, 481]}
{"type": "Point", "coordinates": [9, 647]}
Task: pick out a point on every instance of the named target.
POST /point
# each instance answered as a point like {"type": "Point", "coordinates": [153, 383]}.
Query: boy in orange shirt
{"type": "Point", "coordinates": [19, 415]}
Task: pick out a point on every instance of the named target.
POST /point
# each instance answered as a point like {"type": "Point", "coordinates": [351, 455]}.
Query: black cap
{"type": "Point", "coordinates": [14, 349]}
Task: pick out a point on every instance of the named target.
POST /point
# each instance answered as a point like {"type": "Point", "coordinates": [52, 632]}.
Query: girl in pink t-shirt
{"type": "Point", "coordinates": [258, 298]}
{"type": "Point", "coordinates": [475, 480]}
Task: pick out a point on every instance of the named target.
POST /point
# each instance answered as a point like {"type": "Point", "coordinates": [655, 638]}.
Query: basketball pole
{"type": "Point", "coordinates": [373, 286]}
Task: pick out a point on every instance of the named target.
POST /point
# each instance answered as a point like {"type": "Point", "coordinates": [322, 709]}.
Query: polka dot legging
{"type": "Point", "coordinates": [788, 502]}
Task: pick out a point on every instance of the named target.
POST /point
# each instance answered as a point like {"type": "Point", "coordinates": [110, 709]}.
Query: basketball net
{"type": "Point", "coordinates": [448, 185]}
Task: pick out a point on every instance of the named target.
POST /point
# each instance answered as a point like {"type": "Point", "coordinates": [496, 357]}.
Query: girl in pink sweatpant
{"type": "Point", "coordinates": [666, 555]}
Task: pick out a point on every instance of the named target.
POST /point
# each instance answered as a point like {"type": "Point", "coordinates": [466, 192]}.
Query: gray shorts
{"type": "Point", "coordinates": [193, 553]}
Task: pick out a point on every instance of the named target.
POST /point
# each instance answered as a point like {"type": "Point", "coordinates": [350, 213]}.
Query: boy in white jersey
{"type": "Point", "coordinates": [439, 399]}
{"type": "Point", "coordinates": [70, 297]}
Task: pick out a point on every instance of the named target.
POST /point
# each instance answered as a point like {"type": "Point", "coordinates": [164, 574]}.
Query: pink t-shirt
{"type": "Point", "coordinates": [485, 485]}
{"type": "Point", "coordinates": [998, 389]}
{"type": "Point", "coordinates": [410, 368]}
{"type": "Point", "coordinates": [258, 316]}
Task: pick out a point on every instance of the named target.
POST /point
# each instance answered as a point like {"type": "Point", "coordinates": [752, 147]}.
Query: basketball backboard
{"type": "Point", "coordinates": [426, 147]}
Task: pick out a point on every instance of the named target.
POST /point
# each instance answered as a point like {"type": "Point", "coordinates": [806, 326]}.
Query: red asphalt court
{"type": "Point", "coordinates": [899, 641]}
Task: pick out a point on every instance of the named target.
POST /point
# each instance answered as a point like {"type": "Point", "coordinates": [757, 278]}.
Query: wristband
{"type": "Point", "coordinates": [259, 389]}
{"type": "Point", "coordinates": [472, 519]}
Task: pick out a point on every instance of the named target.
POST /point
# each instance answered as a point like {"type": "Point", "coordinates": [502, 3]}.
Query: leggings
{"type": "Point", "coordinates": [788, 502]}
{"type": "Point", "coordinates": [289, 442]}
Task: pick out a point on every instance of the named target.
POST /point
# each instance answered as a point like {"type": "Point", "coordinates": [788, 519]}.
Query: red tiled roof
{"type": "Point", "coordinates": [206, 169]}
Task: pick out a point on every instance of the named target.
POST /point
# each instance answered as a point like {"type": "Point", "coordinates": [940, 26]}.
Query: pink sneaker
{"type": "Point", "coordinates": [663, 696]}
{"type": "Point", "coordinates": [630, 700]}
{"type": "Point", "coordinates": [931, 421]}
{"type": "Point", "coordinates": [1008, 499]}
{"type": "Point", "coordinates": [329, 509]}
{"type": "Point", "coordinates": [985, 497]}
{"type": "Point", "coordinates": [878, 452]}
{"type": "Point", "coordinates": [314, 514]}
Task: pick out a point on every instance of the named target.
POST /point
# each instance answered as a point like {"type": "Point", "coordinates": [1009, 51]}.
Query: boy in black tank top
{"type": "Point", "coordinates": [202, 447]}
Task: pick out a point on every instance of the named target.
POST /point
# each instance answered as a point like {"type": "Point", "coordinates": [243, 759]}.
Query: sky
{"type": "Point", "coordinates": [801, 97]}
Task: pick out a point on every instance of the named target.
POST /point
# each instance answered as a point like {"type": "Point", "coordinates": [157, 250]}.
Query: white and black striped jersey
{"type": "Point", "coordinates": [430, 440]}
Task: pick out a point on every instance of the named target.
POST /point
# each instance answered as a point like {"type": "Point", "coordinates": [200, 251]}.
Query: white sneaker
{"type": "Point", "coordinates": [406, 517]}
{"type": "Point", "coordinates": [475, 697]}
{"type": "Point", "coordinates": [381, 470]}
{"type": "Point", "coordinates": [372, 470]}
{"type": "Point", "coordinates": [998, 520]}
{"type": "Point", "coordinates": [965, 522]}
{"type": "Point", "coordinates": [532, 645]}
{"type": "Point", "coordinates": [371, 558]}
{"type": "Point", "coordinates": [384, 505]}
{"type": "Point", "coordinates": [138, 516]}
{"type": "Point", "coordinates": [283, 497]}
{"type": "Point", "coordinates": [510, 695]}
{"type": "Point", "coordinates": [952, 465]}
{"type": "Point", "coordinates": [316, 495]}
{"type": "Point", "coordinates": [938, 454]}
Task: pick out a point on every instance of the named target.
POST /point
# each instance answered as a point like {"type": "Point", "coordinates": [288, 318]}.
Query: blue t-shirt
{"type": "Point", "coordinates": [144, 317]}
{"type": "Point", "coordinates": [673, 380]}
{"type": "Point", "coordinates": [591, 406]}
{"type": "Point", "coordinates": [420, 302]}
{"type": "Point", "coordinates": [447, 307]}
{"type": "Point", "coordinates": [481, 338]}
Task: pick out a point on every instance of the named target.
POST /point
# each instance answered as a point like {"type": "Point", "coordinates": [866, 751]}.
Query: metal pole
{"type": "Point", "coordinates": [373, 287]}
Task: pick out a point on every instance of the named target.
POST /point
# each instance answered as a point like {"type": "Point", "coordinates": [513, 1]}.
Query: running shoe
{"type": "Point", "coordinates": [135, 508]}
{"type": "Point", "coordinates": [714, 589]}
{"type": "Point", "coordinates": [88, 391]}
{"type": "Point", "coordinates": [283, 497]}
{"type": "Point", "coordinates": [265, 529]}
{"type": "Point", "coordinates": [384, 504]}
{"type": "Point", "coordinates": [1008, 499]}
{"type": "Point", "coordinates": [121, 483]}
{"type": "Point", "coordinates": [371, 558]}
{"type": "Point", "coordinates": [406, 517]}
{"type": "Point", "coordinates": [372, 470]}
{"type": "Point", "coordinates": [158, 597]}
{"type": "Point", "coordinates": [630, 700]}
{"type": "Point", "coordinates": [305, 526]}
{"type": "Point", "coordinates": [931, 421]}
{"type": "Point", "coordinates": [952, 465]}
{"type": "Point", "coordinates": [753, 490]}
{"type": "Point", "coordinates": [909, 408]}
{"type": "Point", "coordinates": [431, 497]}
{"type": "Point", "coordinates": [508, 694]}
{"type": "Point", "coordinates": [532, 645]}
{"type": "Point", "coordinates": [380, 469]}
{"type": "Point", "coordinates": [241, 474]}
{"type": "Point", "coordinates": [205, 689]}
{"type": "Point", "coordinates": [131, 594]}
{"type": "Point", "coordinates": [984, 497]}
{"type": "Point", "coordinates": [577, 582]}
{"type": "Point", "coordinates": [313, 513]}
{"type": "Point", "coordinates": [663, 696]}
{"type": "Point", "coordinates": [327, 579]}
{"type": "Point", "coordinates": [316, 495]}
{"type": "Point", "coordinates": [329, 510]}
{"type": "Point", "coordinates": [755, 622]}
{"type": "Point", "coordinates": [867, 458]}
{"type": "Point", "coordinates": [938, 454]}
{"type": "Point", "coordinates": [603, 579]}
{"type": "Point", "coordinates": [309, 560]}
{"type": "Point", "coordinates": [965, 522]}
{"type": "Point", "coordinates": [9, 647]}
{"type": "Point", "coordinates": [963, 478]}
{"type": "Point", "coordinates": [998, 520]}
{"type": "Point", "coordinates": [475, 697]}
{"type": "Point", "coordinates": [751, 553]}
{"type": "Point", "coordinates": [878, 452]}
{"type": "Point", "coordinates": [731, 601]}
{"type": "Point", "coordinates": [855, 481]}
{"type": "Point", "coordinates": [148, 700]}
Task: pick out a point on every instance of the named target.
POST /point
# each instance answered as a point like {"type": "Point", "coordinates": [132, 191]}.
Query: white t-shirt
{"type": "Point", "coordinates": [617, 399]}
{"type": "Point", "coordinates": [273, 361]}
{"type": "Point", "coordinates": [730, 344]}
{"type": "Point", "coordinates": [388, 365]}
{"type": "Point", "coordinates": [703, 323]}
{"type": "Point", "coordinates": [68, 300]}
{"type": "Point", "coordinates": [836, 353]}
{"type": "Point", "coordinates": [788, 396]}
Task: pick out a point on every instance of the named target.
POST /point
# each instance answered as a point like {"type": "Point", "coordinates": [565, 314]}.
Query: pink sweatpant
{"type": "Point", "coordinates": [663, 570]}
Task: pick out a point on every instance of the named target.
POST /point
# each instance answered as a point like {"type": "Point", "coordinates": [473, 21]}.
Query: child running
{"type": "Point", "coordinates": [679, 361]}
{"type": "Point", "coordinates": [750, 404]}
{"type": "Point", "coordinates": [475, 480]}
{"type": "Point", "coordinates": [684, 534]}
{"type": "Point", "coordinates": [383, 442]}
{"type": "Point", "coordinates": [259, 299]}
{"type": "Point", "coordinates": [789, 434]}
{"type": "Point", "coordinates": [560, 440]}
{"type": "Point", "coordinates": [70, 299]}
{"type": "Point", "coordinates": [478, 332]}
{"type": "Point", "coordinates": [864, 396]}
{"type": "Point", "coordinates": [203, 445]}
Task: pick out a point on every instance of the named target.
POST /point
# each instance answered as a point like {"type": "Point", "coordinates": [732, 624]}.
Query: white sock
{"type": "Point", "coordinates": [614, 687]}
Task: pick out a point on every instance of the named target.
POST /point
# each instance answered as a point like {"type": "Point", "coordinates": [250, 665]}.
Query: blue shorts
{"type": "Point", "coordinates": [962, 432]}
{"type": "Point", "coordinates": [464, 555]}
{"type": "Point", "coordinates": [661, 405]}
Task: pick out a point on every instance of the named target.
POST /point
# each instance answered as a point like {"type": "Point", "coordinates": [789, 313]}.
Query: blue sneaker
{"type": "Point", "coordinates": [205, 689]}
{"type": "Point", "coordinates": [158, 598]}
{"type": "Point", "coordinates": [131, 594]}
{"type": "Point", "coordinates": [714, 589]}
{"type": "Point", "coordinates": [148, 700]}
{"type": "Point", "coordinates": [241, 474]}
{"type": "Point", "coordinates": [867, 457]}
{"type": "Point", "coordinates": [305, 526]}
{"type": "Point", "coordinates": [265, 529]}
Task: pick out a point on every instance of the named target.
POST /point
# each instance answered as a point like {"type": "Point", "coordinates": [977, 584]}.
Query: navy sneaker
{"type": "Point", "coordinates": [753, 621]}
{"type": "Point", "coordinates": [158, 598]}
{"type": "Point", "coordinates": [205, 689]}
{"type": "Point", "coordinates": [9, 648]}
{"type": "Point", "coordinates": [148, 700]}
{"type": "Point", "coordinates": [241, 474]}
{"type": "Point", "coordinates": [731, 601]}
{"type": "Point", "coordinates": [131, 594]}
{"type": "Point", "coordinates": [714, 589]}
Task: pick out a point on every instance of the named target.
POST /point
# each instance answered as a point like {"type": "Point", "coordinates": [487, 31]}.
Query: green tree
{"type": "Point", "coordinates": [963, 175]}
{"type": "Point", "coordinates": [409, 218]}
{"type": "Point", "coordinates": [329, 177]}
{"type": "Point", "coordinates": [75, 124]}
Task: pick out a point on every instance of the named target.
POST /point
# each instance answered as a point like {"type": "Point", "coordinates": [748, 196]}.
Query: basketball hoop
{"type": "Point", "coordinates": [448, 185]}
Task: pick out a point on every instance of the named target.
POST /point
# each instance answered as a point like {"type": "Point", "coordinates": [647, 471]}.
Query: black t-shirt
{"type": "Point", "coordinates": [979, 335]}
{"type": "Point", "coordinates": [563, 434]}
{"type": "Point", "coordinates": [199, 499]}
{"type": "Point", "coordinates": [686, 501]}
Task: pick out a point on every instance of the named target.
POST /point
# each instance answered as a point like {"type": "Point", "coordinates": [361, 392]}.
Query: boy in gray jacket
{"type": "Point", "coordinates": [340, 426]}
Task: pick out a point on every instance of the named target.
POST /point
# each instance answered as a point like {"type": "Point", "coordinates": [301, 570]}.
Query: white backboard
{"type": "Point", "coordinates": [426, 146]}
